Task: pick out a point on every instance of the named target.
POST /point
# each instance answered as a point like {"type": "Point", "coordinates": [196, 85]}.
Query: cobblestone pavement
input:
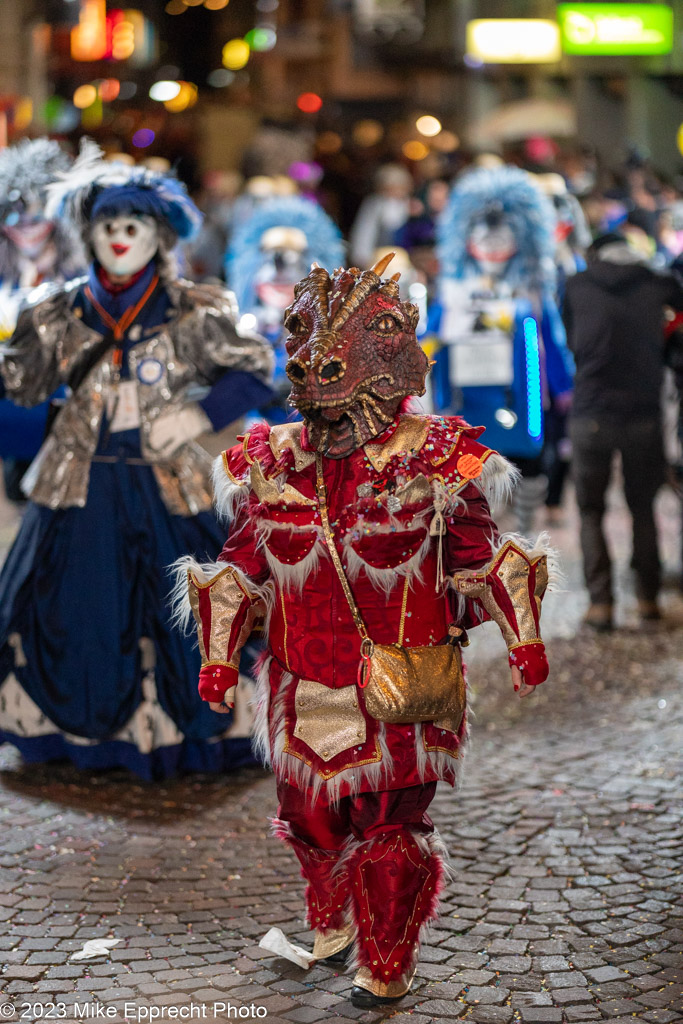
{"type": "Point", "coordinates": [566, 843]}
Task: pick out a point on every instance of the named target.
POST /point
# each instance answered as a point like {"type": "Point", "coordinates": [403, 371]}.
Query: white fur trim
{"type": "Point", "coordinates": [386, 579]}
{"type": "Point", "coordinates": [204, 572]}
{"type": "Point", "coordinates": [261, 707]}
{"type": "Point", "coordinates": [534, 549]}
{"type": "Point", "coordinates": [497, 480]}
{"type": "Point", "coordinates": [303, 776]}
{"type": "Point", "coordinates": [227, 495]}
{"type": "Point", "coordinates": [294, 576]}
{"type": "Point", "coordinates": [439, 761]}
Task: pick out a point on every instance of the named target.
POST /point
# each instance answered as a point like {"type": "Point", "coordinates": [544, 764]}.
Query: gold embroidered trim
{"type": "Point", "coordinates": [384, 989]}
{"type": "Point", "coordinates": [285, 436]}
{"type": "Point", "coordinates": [231, 477]}
{"type": "Point", "coordinates": [329, 721]}
{"type": "Point", "coordinates": [404, 605]}
{"type": "Point", "coordinates": [221, 664]}
{"type": "Point", "coordinates": [409, 436]}
{"type": "Point", "coordinates": [524, 643]}
{"type": "Point", "coordinates": [454, 487]}
{"type": "Point", "coordinates": [333, 941]}
{"type": "Point", "coordinates": [245, 442]}
{"type": "Point", "coordinates": [439, 461]}
{"type": "Point", "coordinates": [214, 579]}
{"type": "Point", "coordinates": [329, 775]}
{"type": "Point", "coordinates": [415, 490]}
{"type": "Point", "coordinates": [269, 493]}
{"type": "Point", "coordinates": [455, 754]}
{"type": "Point", "coordinates": [284, 622]}
{"type": "Point", "coordinates": [512, 569]}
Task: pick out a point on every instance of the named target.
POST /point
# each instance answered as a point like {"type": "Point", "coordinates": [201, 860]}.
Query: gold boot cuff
{"type": "Point", "coordinates": [332, 941]}
{"type": "Point", "coordinates": [384, 989]}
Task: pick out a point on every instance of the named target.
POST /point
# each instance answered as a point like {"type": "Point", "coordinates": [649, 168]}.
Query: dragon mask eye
{"type": "Point", "coordinates": [296, 324]}
{"type": "Point", "coordinates": [386, 323]}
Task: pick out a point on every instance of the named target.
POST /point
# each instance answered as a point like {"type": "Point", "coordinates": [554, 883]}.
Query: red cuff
{"type": "Point", "coordinates": [531, 659]}
{"type": "Point", "coordinates": [214, 680]}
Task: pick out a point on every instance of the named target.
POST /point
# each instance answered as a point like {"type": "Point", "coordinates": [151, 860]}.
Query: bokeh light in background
{"type": "Point", "coordinates": [186, 98]}
{"type": "Point", "coordinates": [123, 40]}
{"type": "Point", "coordinates": [261, 39]}
{"type": "Point", "coordinates": [235, 54]}
{"type": "Point", "coordinates": [84, 96]}
{"type": "Point", "coordinates": [329, 142]}
{"type": "Point", "coordinates": [91, 117]}
{"type": "Point", "coordinates": [175, 7]}
{"type": "Point", "coordinates": [216, 5]}
{"type": "Point", "coordinates": [143, 137]}
{"type": "Point", "coordinates": [428, 125]}
{"type": "Point", "coordinates": [60, 115]}
{"type": "Point", "coordinates": [193, 3]}
{"type": "Point", "coordinates": [23, 113]}
{"type": "Point", "coordinates": [127, 90]}
{"type": "Point", "coordinates": [219, 78]}
{"type": "Point", "coordinates": [415, 150]}
{"type": "Point", "coordinates": [445, 142]}
{"type": "Point", "coordinates": [109, 89]}
{"type": "Point", "coordinates": [164, 91]}
{"type": "Point", "coordinates": [367, 133]}
{"type": "Point", "coordinates": [309, 102]}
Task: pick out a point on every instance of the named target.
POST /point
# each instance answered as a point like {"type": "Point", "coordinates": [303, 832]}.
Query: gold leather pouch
{"type": "Point", "coordinates": [415, 684]}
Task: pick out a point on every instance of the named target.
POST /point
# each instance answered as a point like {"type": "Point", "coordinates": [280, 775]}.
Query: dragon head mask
{"type": "Point", "coordinates": [353, 355]}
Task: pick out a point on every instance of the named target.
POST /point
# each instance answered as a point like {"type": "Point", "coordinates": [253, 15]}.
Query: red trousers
{"type": "Point", "coordinates": [371, 859]}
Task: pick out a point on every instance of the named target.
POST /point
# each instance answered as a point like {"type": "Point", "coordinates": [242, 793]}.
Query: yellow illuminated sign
{"type": "Point", "coordinates": [513, 40]}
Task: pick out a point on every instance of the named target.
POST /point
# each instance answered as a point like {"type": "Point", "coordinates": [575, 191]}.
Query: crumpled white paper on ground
{"type": "Point", "coordinates": [95, 947]}
{"type": "Point", "coordinates": [275, 941]}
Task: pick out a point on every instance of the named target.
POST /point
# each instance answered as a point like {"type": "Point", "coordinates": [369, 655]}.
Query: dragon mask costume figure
{"type": "Point", "coordinates": [353, 355]}
{"type": "Point", "coordinates": [361, 531]}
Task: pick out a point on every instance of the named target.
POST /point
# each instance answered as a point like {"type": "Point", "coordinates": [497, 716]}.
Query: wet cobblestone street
{"type": "Point", "coordinates": [566, 844]}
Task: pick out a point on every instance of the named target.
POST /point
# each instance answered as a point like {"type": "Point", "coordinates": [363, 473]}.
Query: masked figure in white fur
{"type": "Point", "coordinates": [363, 538]}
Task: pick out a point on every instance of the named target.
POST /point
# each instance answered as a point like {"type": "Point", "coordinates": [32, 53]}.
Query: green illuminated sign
{"type": "Point", "coordinates": [616, 28]}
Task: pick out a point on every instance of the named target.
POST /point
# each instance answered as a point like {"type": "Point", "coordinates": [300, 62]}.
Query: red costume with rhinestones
{"type": "Point", "coordinates": [354, 791]}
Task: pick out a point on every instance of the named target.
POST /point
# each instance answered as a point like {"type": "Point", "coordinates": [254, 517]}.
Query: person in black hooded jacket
{"type": "Point", "coordinates": [614, 317]}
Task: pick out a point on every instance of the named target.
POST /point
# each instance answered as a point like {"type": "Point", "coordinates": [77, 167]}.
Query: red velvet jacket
{"type": "Point", "coordinates": [381, 502]}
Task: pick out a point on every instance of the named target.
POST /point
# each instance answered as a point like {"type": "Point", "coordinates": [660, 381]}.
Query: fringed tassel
{"type": "Point", "coordinates": [437, 528]}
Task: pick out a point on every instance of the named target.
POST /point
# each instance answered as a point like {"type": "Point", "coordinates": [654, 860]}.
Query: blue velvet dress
{"type": "Point", "coordinates": [93, 669]}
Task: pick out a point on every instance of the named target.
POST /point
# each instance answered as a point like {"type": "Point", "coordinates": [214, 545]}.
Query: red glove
{"type": "Point", "coordinates": [214, 680]}
{"type": "Point", "coordinates": [530, 659]}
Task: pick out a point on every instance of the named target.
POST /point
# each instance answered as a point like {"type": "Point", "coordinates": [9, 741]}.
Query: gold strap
{"type": "Point", "coordinates": [331, 547]}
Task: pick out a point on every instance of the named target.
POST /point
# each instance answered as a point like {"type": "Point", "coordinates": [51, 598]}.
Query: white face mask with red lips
{"type": "Point", "coordinates": [125, 244]}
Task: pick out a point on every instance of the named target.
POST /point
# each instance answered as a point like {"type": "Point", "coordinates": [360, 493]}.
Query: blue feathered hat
{"type": "Point", "coordinates": [525, 208]}
{"type": "Point", "coordinates": [94, 187]}
{"type": "Point", "coordinates": [244, 257]}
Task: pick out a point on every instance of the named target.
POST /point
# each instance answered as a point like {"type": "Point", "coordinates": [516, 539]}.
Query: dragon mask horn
{"type": "Point", "coordinates": [381, 265]}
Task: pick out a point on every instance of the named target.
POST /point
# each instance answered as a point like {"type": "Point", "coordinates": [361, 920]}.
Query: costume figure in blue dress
{"type": "Point", "coordinates": [504, 350]}
{"type": "Point", "coordinates": [33, 250]}
{"type": "Point", "coordinates": [269, 253]}
{"type": "Point", "coordinates": [90, 666]}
